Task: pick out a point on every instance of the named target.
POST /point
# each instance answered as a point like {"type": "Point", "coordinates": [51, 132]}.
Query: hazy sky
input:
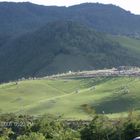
{"type": "Point", "coordinates": [131, 5]}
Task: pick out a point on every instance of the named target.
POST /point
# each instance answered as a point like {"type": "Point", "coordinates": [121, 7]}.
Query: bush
{"type": "Point", "coordinates": [32, 136]}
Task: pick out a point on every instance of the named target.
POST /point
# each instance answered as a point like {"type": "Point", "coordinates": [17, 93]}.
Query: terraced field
{"type": "Point", "coordinates": [71, 98]}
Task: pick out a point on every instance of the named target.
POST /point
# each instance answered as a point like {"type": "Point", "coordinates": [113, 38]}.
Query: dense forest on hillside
{"type": "Point", "coordinates": [38, 40]}
{"type": "Point", "coordinates": [59, 47]}
{"type": "Point", "coordinates": [23, 17]}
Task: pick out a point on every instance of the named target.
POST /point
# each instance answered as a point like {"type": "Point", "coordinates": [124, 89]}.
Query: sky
{"type": "Point", "coordinates": [130, 5]}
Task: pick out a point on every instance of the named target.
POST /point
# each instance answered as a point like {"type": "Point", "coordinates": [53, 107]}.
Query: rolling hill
{"type": "Point", "coordinates": [75, 98]}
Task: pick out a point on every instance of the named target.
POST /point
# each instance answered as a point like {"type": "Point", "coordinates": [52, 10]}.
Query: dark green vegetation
{"type": "Point", "coordinates": [49, 127]}
{"type": "Point", "coordinates": [59, 47]}
{"type": "Point", "coordinates": [39, 40]}
{"type": "Point", "coordinates": [72, 98]}
{"type": "Point", "coordinates": [23, 17]}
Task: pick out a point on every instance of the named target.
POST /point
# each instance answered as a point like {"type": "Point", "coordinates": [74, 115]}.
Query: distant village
{"type": "Point", "coordinates": [120, 71]}
{"type": "Point", "coordinates": [114, 72]}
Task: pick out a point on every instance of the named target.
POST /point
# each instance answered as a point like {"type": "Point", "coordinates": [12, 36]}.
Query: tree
{"type": "Point", "coordinates": [99, 129]}
{"type": "Point", "coordinates": [32, 136]}
{"type": "Point", "coordinates": [52, 128]}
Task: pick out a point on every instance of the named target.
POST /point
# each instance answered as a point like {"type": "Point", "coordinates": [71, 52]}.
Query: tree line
{"type": "Point", "coordinates": [48, 127]}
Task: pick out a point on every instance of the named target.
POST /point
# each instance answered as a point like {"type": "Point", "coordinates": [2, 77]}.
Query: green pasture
{"type": "Point", "coordinates": [72, 98]}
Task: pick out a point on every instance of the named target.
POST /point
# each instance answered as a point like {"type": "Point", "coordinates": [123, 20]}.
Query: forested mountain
{"type": "Point", "coordinates": [21, 17]}
{"type": "Point", "coordinates": [59, 47]}
{"type": "Point", "coordinates": [39, 40]}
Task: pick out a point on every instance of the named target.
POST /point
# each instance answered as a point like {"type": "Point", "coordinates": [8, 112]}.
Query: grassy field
{"type": "Point", "coordinates": [72, 98]}
{"type": "Point", "coordinates": [129, 43]}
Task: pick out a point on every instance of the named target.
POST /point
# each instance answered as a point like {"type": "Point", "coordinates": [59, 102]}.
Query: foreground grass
{"type": "Point", "coordinates": [72, 98]}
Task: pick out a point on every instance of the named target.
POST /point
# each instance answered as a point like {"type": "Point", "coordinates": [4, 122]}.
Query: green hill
{"type": "Point", "coordinates": [72, 98]}
{"type": "Point", "coordinates": [59, 47]}
{"type": "Point", "coordinates": [130, 43]}
{"type": "Point", "coordinates": [40, 40]}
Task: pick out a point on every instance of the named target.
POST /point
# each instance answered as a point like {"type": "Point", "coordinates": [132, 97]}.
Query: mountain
{"type": "Point", "coordinates": [17, 18]}
{"type": "Point", "coordinates": [61, 46]}
{"type": "Point", "coordinates": [38, 40]}
{"type": "Point", "coordinates": [107, 18]}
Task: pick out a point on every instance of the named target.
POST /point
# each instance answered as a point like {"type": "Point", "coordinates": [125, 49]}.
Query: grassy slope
{"type": "Point", "coordinates": [59, 96]}
{"type": "Point", "coordinates": [129, 43]}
